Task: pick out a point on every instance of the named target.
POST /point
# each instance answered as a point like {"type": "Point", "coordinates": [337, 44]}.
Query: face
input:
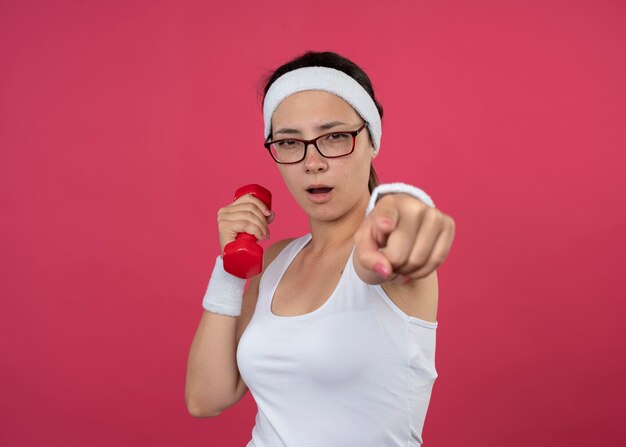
{"type": "Point", "coordinates": [326, 188]}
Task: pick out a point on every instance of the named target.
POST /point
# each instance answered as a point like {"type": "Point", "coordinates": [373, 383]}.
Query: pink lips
{"type": "Point", "coordinates": [319, 193]}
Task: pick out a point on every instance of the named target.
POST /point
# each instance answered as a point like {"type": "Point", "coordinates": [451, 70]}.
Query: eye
{"type": "Point", "coordinates": [337, 137]}
{"type": "Point", "coordinates": [286, 144]}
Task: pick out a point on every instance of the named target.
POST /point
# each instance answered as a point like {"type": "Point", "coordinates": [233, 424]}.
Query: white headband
{"type": "Point", "coordinates": [329, 80]}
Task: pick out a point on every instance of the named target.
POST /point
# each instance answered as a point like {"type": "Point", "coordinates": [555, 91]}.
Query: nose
{"type": "Point", "coordinates": [313, 161]}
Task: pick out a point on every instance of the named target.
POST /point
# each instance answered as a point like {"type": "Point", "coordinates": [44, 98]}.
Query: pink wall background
{"type": "Point", "coordinates": [116, 128]}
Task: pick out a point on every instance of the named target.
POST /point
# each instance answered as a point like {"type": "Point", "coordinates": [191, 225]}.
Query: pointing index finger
{"type": "Point", "coordinates": [384, 219]}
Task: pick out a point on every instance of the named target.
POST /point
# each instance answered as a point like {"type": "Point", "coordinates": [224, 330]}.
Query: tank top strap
{"type": "Point", "coordinates": [274, 272]}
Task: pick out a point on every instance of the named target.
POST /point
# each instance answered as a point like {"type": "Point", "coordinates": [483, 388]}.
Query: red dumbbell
{"type": "Point", "coordinates": [243, 257]}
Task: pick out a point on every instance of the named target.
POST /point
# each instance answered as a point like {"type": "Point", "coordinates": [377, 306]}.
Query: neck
{"type": "Point", "coordinates": [330, 236]}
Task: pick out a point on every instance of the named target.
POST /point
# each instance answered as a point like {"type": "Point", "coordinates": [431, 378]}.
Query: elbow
{"type": "Point", "coordinates": [199, 409]}
{"type": "Point", "coordinates": [202, 413]}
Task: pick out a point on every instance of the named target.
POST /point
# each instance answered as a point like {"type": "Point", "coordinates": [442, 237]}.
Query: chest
{"type": "Point", "coordinates": [337, 349]}
{"type": "Point", "coordinates": [321, 327]}
{"type": "Point", "coordinates": [306, 286]}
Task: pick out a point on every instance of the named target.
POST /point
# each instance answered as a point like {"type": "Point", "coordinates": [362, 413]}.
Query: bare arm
{"type": "Point", "coordinates": [213, 380]}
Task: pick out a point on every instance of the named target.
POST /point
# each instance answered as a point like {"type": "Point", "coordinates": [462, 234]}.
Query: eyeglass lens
{"type": "Point", "coordinates": [331, 145]}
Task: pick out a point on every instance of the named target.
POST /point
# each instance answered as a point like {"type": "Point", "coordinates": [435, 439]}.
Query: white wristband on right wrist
{"type": "Point", "coordinates": [224, 295]}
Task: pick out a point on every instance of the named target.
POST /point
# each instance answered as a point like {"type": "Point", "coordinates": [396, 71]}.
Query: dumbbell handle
{"type": "Point", "coordinates": [243, 257]}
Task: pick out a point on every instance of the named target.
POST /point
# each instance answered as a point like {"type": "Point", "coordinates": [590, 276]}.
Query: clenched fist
{"type": "Point", "coordinates": [247, 214]}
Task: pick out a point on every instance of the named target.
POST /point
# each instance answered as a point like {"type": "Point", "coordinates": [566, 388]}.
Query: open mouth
{"type": "Point", "coordinates": [319, 190]}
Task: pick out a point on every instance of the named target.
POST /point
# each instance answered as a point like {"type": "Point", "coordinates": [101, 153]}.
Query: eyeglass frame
{"type": "Point", "coordinates": [306, 143]}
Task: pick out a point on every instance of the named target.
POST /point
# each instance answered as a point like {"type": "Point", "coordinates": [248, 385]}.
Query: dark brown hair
{"type": "Point", "coordinates": [331, 60]}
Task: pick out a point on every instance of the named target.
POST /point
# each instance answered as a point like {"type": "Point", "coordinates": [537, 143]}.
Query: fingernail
{"type": "Point", "coordinates": [381, 270]}
{"type": "Point", "coordinates": [267, 212]}
{"type": "Point", "coordinates": [385, 221]}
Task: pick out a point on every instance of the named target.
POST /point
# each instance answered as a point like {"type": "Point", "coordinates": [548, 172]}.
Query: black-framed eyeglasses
{"type": "Point", "coordinates": [330, 145]}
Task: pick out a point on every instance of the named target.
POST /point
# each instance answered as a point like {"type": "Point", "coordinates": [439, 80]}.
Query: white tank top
{"type": "Point", "coordinates": [357, 371]}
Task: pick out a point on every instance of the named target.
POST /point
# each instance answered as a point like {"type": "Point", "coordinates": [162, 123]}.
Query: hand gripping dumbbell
{"type": "Point", "coordinates": [243, 257]}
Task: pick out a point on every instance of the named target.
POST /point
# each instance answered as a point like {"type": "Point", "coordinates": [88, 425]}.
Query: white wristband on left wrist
{"type": "Point", "coordinates": [398, 188]}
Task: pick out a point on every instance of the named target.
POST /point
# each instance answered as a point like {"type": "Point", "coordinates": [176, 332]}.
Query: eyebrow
{"type": "Point", "coordinates": [321, 127]}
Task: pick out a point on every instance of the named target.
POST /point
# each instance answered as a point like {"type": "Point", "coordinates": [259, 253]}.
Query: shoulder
{"type": "Point", "coordinates": [418, 298]}
{"type": "Point", "coordinates": [274, 250]}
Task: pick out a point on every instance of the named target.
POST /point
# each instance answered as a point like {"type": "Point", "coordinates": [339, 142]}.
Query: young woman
{"type": "Point", "coordinates": [336, 338]}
